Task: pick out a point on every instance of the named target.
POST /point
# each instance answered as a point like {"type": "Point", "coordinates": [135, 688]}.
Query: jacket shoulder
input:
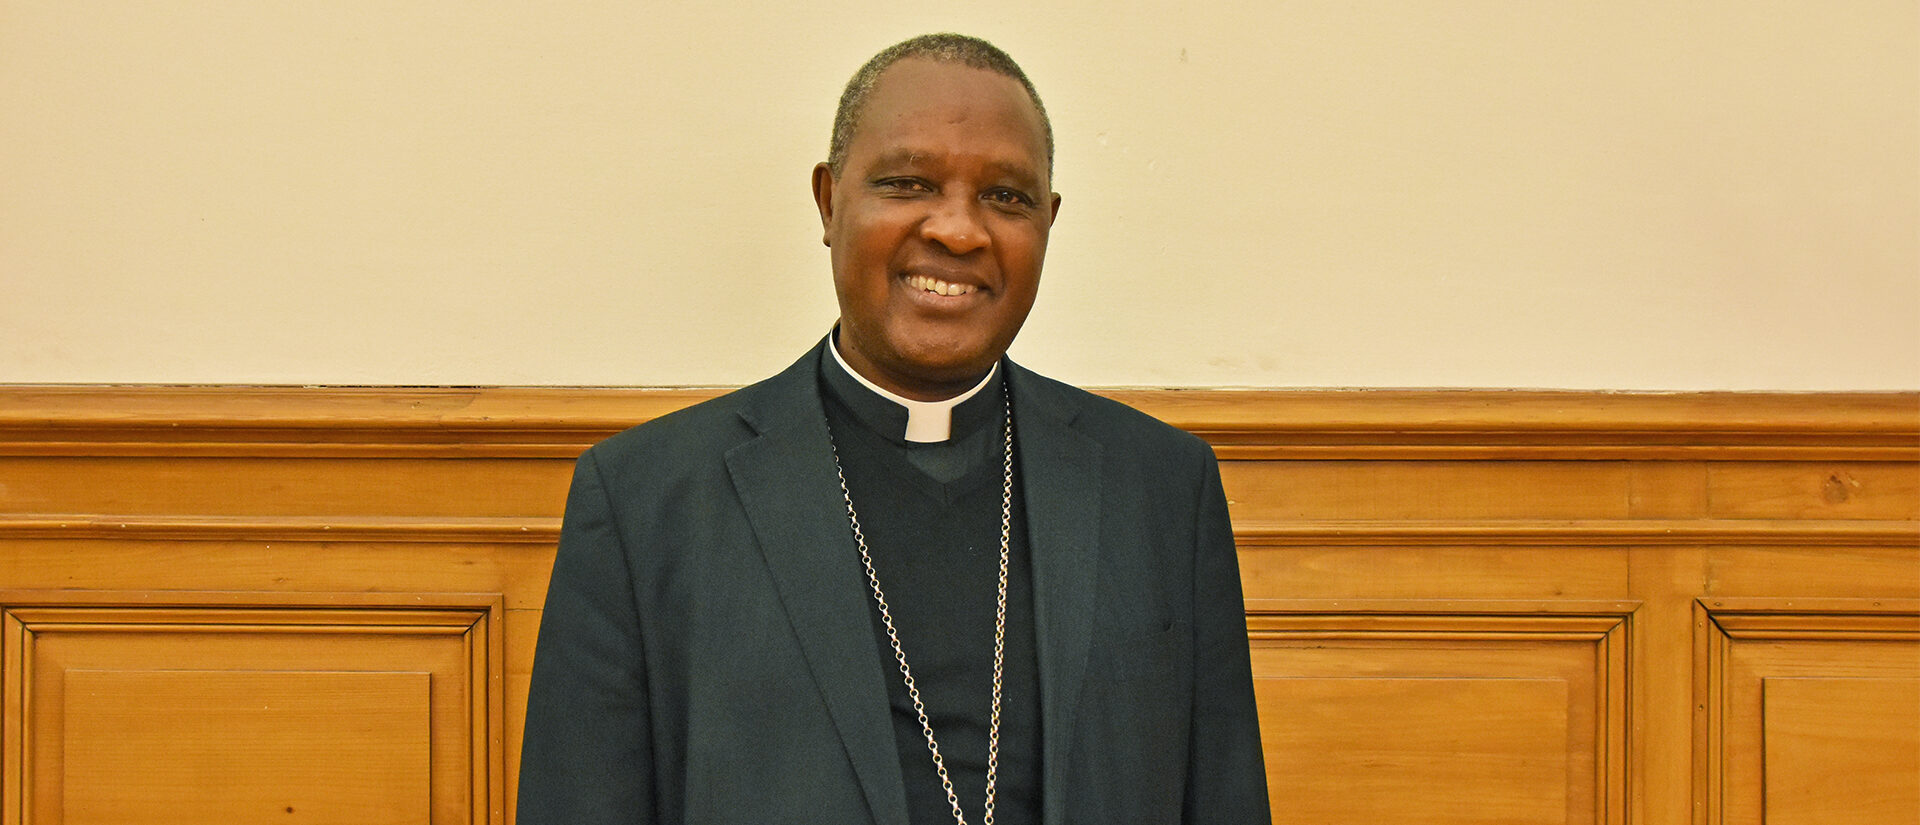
{"type": "Point", "coordinates": [684, 449]}
{"type": "Point", "coordinates": [714, 426]}
{"type": "Point", "coordinates": [714, 423]}
{"type": "Point", "coordinates": [1113, 422]}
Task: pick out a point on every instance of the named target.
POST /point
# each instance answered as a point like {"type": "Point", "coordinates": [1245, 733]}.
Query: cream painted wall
{"type": "Point", "coordinates": [1716, 194]}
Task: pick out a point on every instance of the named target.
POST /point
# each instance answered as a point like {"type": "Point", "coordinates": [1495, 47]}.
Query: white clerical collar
{"type": "Point", "coordinates": [927, 421]}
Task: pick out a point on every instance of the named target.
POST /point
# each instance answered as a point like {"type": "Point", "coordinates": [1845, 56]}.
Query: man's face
{"type": "Point", "coordinates": [938, 225]}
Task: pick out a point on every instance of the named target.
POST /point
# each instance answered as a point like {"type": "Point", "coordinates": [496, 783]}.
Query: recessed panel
{"type": "Point", "coordinates": [190, 747]}
{"type": "Point", "coordinates": [1440, 751]}
{"type": "Point", "coordinates": [1412, 712]}
{"type": "Point", "coordinates": [1812, 713]}
{"type": "Point", "coordinates": [1841, 750]}
{"type": "Point", "coordinates": [233, 710]}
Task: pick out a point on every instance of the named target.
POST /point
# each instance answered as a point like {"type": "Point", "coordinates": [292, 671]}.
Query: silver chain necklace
{"type": "Point", "coordinates": [999, 623]}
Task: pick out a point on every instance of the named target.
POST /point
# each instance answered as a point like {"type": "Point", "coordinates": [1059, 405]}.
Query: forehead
{"type": "Point", "coordinates": [922, 106]}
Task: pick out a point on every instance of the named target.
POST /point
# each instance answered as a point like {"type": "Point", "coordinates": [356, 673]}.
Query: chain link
{"type": "Point", "coordinates": [999, 623]}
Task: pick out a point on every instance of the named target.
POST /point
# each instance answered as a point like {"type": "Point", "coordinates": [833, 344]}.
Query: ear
{"type": "Point", "coordinates": [1053, 214]}
{"type": "Point", "coordinates": [823, 198]}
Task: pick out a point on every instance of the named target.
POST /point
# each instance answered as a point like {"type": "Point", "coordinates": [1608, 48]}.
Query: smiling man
{"type": "Point", "coordinates": [905, 581]}
{"type": "Point", "coordinates": [940, 226]}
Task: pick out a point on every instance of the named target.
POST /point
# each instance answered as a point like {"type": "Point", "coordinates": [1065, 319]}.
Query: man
{"type": "Point", "coordinates": [904, 581]}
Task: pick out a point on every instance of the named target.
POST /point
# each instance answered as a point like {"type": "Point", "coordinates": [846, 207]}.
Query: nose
{"type": "Point", "coordinates": [955, 224]}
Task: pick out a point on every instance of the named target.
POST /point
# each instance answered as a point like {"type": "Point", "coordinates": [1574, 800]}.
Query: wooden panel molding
{"type": "Point", "coordinates": [1453, 712]}
{"type": "Point", "coordinates": [196, 707]}
{"type": "Point", "coordinates": [1809, 711]}
{"type": "Point", "coordinates": [1241, 424]}
{"type": "Point", "coordinates": [361, 529]}
{"type": "Point", "coordinates": [1248, 534]}
{"type": "Point", "coordinates": [1571, 532]}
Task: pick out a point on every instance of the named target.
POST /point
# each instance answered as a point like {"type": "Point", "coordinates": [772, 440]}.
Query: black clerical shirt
{"type": "Point", "coordinates": [931, 516]}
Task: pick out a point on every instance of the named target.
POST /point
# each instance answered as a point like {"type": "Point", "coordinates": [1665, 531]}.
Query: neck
{"type": "Point", "coordinates": [902, 389]}
{"type": "Point", "coordinates": [927, 420]}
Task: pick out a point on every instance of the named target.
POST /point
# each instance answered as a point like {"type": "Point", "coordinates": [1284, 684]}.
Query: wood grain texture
{"type": "Point", "coordinates": [1814, 490]}
{"type": "Point", "coordinates": [1841, 749]}
{"type": "Point", "coordinates": [1573, 604]}
{"type": "Point", "coordinates": [1450, 751]}
{"type": "Point", "coordinates": [313, 747]}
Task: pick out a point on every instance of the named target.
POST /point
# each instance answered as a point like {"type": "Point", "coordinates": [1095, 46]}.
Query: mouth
{"type": "Point", "coordinates": [935, 286]}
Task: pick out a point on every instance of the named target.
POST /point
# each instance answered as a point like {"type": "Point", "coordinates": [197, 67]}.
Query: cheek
{"type": "Point", "coordinates": [1020, 259]}
{"type": "Point", "coordinates": [862, 256]}
{"type": "Point", "coordinates": [873, 232]}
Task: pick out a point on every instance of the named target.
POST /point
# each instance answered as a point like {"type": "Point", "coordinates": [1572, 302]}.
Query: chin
{"type": "Point", "coordinates": [941, 372]}
{"type": "Point", "coordinates": [949, 363]}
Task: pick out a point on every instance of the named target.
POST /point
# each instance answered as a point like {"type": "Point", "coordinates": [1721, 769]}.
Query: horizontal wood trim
{"type": "Point", "coordinates": [1814, 619]}
{"type": "Point", "coordinates": [452, 608]}
{"type": "Point", "coordinates": [1611, 610]}
{"type": "Point", "coordinates": [379, 529]}
{"type": "Point", "coordinates": [1320, 424]}
{"type": "Point", "coordinates": [1749, 607]}
{"type": "Point", "coordinates": [1425, 618]}
{"type": "Point", "coordinates": [1587, 533]}
{"type": "Point", "coordinates": [1248, 534]}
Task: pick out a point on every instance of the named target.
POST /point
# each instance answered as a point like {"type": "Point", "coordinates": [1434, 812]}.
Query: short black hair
{"type": "Point", "coordinates": [945, 47]}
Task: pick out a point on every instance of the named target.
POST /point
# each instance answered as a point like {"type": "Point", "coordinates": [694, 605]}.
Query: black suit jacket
{"type": "Point", "coordinates": [706, 654]}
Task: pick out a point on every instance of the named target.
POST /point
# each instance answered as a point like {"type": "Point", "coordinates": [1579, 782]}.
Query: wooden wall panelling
{"type": "Point", "coordinates": [282, 561]}
{"type": "Point", "coordinates": [1808, 711]}
{"type": "Point", "coordinates": [192, 707]}
{"type": "Point", "coordinates": [1460, 563]}
{"type": "Point", "coordinates": [1443, 712]}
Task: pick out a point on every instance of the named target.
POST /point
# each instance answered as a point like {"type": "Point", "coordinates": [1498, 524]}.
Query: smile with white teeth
{"type": "Point", "coordinates": [937, 286]}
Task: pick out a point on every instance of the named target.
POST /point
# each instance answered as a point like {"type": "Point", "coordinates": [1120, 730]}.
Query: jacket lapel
{"type": "Point", "coordinates": [1060, 479]}
{"type": "Point", "coordinates": [787, 482]}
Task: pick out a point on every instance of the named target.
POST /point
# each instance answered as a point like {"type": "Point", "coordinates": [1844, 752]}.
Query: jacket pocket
{"type": "Point", "coordinates": [1153, 656]}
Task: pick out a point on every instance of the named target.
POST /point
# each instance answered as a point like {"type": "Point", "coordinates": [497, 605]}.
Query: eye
{"type": "Point", "coordinates": [902, 185]}
{"type": "Point", "coordinates": [1009, 197]}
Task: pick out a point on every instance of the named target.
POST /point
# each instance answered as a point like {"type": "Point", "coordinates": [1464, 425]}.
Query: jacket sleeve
{"type": "Point", "coordinates": [1226, 776]}
{"type": "Point", "coordinates": [586, 757]}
